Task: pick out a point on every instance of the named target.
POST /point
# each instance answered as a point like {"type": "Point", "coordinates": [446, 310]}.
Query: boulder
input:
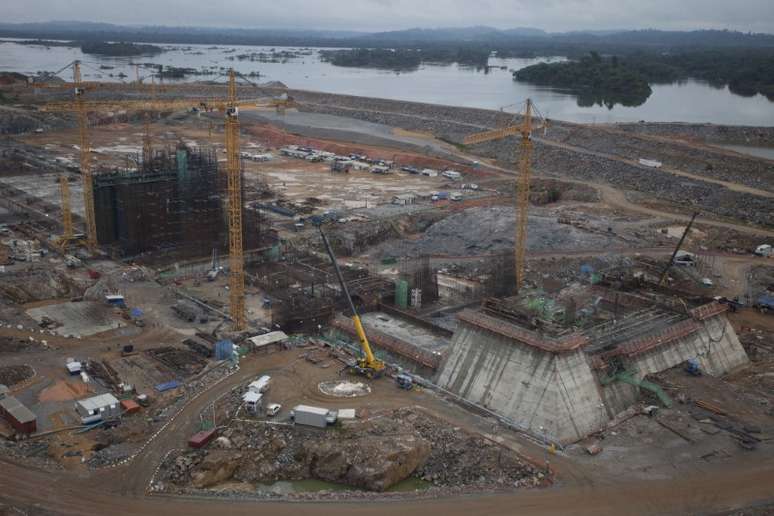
{"type": "Point", "coordinates": [373, 463]}
{"type": "Point", "coordinates": [218, 466]}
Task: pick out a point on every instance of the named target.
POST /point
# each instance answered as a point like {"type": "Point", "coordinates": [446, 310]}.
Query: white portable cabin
{"type": "Point", "coordinates": [261, 385]}
{"type": "Point", "coordinates": [252, 401]}
{"type": "Point", "coordinates": [104, 406]}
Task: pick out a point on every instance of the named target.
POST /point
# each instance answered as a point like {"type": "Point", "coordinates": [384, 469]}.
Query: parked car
{"type": "Point", "coordinates": [272, 409]}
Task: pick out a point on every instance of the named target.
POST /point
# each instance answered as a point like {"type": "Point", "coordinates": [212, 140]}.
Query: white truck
{"type": "Point", "coordinates": [313, 416]}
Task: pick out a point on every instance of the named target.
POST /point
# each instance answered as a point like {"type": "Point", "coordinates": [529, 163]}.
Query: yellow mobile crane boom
{"type": "Point", "coordinates": [369, 365]}
{"type": "Point", "coordinates": [522, 184]}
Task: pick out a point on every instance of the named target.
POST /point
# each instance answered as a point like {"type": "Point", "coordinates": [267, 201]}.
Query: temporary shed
{"type": "Point", "coordinates": [130, 406]}
{"type": "Point", "coordinates": [267, 341]}
{"type": "Point", "coordinates": [104, 406]}
{"type": "Point", "coordinates": [20, 417]}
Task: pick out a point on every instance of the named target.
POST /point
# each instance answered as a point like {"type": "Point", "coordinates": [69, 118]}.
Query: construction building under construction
{"type": "Point", "coordinates": [172, 205]}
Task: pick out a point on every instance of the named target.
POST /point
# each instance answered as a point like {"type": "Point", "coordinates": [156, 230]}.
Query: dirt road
{"type": "Point", "coordinates": [741, 484]}
{"type": "Point", "coordinates": [580, 490]}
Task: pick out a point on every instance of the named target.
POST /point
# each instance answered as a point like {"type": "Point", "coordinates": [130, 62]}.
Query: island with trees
{"type": "Point", "coordinates": [119, 49]}
{"type": "Point", "coordinates": [400, 59]}
{"type": "Point", "coordinates": [596, 80]}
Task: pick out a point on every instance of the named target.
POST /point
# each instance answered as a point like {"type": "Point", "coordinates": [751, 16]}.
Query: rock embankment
{"type": "Point", "coordinates": [603, 162]}
{"type": "Point", "coordinates": [707, 133]}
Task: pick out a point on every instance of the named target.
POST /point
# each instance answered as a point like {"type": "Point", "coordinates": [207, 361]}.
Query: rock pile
{"type": "Point", "coordinates": [374, 455]}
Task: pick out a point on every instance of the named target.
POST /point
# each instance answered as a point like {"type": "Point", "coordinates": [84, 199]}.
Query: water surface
{"type": "Point", "coordinates": [689, 101]}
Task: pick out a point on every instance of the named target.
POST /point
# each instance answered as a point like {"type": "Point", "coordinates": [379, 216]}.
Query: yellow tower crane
{"type": "Point", "coordinates": [230, 107]}
{"type": "Point", "coordinates": [85, 151]}
{"type": "Point", "coordinates": [522, 184]}
{"type": "Point", "coordinates": [68, 233]}
{"type": "Point", "coordinates": [236, 278]}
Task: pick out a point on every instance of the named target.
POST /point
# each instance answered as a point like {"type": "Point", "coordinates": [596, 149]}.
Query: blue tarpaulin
{"type": "Point", "coordinates": [136, 313]}
{"type": "Point", "coordinates": [167, 386]}
{"type": "Point", "coordinates": [224, 350]}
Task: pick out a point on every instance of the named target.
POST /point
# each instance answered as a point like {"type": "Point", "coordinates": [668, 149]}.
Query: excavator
{"type": "Point", "coordinates": [368, 365]}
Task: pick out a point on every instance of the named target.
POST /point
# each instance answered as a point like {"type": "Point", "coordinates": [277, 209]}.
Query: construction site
{"type": "Point", "coordinates": [234, 292]}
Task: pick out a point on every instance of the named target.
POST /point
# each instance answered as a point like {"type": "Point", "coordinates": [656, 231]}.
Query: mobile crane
{"type": "Point", "coordinates": [368, 365]}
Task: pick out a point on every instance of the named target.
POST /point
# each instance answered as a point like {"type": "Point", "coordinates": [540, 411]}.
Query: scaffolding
{"type": "Point", "coordinates": [171, 205]}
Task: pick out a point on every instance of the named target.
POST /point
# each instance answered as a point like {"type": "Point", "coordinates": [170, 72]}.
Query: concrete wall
{"type": "Point", "coordinates": [559, 391]}
{"type": "Point", "coordinates": [716, 347]}
{"type": "Point", "coordinates": [531, 387]}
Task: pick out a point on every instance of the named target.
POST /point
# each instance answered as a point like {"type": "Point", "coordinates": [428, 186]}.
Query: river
{"type": "Point", "coordinates": [689, 101]}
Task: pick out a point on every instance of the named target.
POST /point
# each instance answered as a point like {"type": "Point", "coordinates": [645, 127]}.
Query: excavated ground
{"type": "Point", "coordinates": [373, 454]}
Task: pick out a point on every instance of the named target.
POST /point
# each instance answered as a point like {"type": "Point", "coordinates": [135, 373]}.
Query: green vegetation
{"type": "Point", "coordinates": [627, 79]}
{"type": "Point", "coordinates": [48, 43]}
{"type": "Point", "coordinates": [596, 80]}
{"type": "Point", "coordinates": [747, 72]}
{"type": "Point", "coordinates": [119, 49]}
{"type": "Point", "coordinates": [406, 59]}
{"type": "Point", "coordinates": [373, 58]}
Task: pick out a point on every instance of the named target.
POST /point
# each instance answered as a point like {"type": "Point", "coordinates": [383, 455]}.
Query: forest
{"type": "Point", "coordinates": [746, 72]}
{"type": "Point", "coordinates": [596, 80]}
{"type": "Point", "coordinates": [406, 59]}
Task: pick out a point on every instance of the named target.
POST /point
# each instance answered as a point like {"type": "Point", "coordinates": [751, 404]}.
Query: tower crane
{"type": "Point", "coordinates": [230, 107]}
{"type": "Point", "coordinates": [68, 233]}
{"type": "Point", "coordinates": [522, 184]}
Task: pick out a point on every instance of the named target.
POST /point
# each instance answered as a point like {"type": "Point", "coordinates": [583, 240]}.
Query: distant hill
{"type": "Point", "coordinates": [515, 39]}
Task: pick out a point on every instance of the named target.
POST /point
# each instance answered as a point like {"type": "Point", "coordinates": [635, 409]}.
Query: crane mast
{"type": "Point", "coordinates": [234, 177]}
{"type": "Point", "coordinates": [85, 160]}
{"type": "Point", "coordinates": [522, 183]}
{"type": "Point", "coordinates": [522, 195]}
{"type": "Point", "coordinates": [233, 166]}
{"type": "Point", "coordinates": [68, 234]}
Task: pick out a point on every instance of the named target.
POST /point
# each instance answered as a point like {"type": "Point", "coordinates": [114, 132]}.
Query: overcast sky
{"type": "Point", "coordinates": [370, 15]}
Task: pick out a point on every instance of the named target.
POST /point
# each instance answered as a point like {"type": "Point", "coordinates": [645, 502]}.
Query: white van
{"type": "Point", "coordinates": [764, 250]}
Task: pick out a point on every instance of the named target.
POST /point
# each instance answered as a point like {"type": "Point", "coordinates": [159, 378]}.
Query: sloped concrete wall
{"type": "Point", "coordinates": [534, 388]}
{"type": "Point", "coordinates": [716, 347]}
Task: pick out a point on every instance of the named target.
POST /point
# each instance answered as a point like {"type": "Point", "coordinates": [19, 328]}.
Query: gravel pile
{"type": "Point", "coordinates": [491, 230]}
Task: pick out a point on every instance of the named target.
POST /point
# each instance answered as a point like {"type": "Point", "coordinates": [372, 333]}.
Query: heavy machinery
{"type": "Point", "coordinates": [368, 365]}
{"type": "Point", "coordinates": [671, 261]}
{"type": "Point", "coordinates": [230, 106]}
{"type": "Point", "coordinates": [522, 184]}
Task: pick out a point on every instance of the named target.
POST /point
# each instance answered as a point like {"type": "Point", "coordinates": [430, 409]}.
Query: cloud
{"type": "Point", "coordinates": [370, 15]}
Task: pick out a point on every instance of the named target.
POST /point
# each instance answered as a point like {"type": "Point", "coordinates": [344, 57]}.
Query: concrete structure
{"type": "Point", "coordinates": [104, 406]}
{"type": "Point", "coordinates": [561, 383]}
